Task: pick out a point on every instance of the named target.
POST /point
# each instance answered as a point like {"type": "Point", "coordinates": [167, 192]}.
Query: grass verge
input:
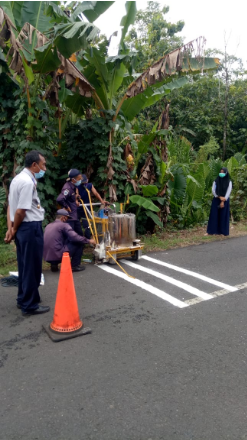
{"type": "Point", "coordinates": [160, 241]}
{"type": "Point", "coordinates": [187, 237]}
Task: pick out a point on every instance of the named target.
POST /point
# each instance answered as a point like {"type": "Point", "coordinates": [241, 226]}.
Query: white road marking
{"type": "Point", "coordinates": [193, 274]}
{"type": "Point", "coordinates": [184, 286]}
{"type": "Point", "coordinates": [163, 295]}
{"type": "Point", "coordinates": [194, 301]}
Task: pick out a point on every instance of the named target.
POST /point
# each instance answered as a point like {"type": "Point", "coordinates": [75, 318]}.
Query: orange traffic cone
{"type": "Point", "coordinates": [66, 322]}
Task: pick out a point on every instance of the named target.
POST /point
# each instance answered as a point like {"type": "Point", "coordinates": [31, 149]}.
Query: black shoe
{"type": "Point", "coordinates": [54, 267]}
{"type": "Point", "coordinates": [78, 268]}
{"type": "Point", "coordinates": [19, 306]}
{"type": "Point", "coordinates": [38, 311]}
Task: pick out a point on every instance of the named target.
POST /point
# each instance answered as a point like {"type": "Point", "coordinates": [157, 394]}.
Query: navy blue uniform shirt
{"type": "Point", "coordinates": [67, 199]}
{"type": "Point", "coordinates": [84, 196]}
{"type": "Point", "coordinates": [83, 192]}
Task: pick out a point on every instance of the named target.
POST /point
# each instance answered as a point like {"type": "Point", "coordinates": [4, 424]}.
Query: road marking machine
{"type": "Point", "coordinates": [114, 234]}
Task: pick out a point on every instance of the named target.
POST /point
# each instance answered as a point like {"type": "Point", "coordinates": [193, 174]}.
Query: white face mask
{"type": "Point", "coordinates": [77, 182]}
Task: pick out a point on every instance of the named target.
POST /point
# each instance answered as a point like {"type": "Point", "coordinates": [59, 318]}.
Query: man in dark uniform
{"type": "Point", "coordinates": [59, 237]}
{"type": "Point", "coordinates": [83, 189]}
{"type": "Point", "coordinates": [68, 199]}
{"type": "Point", "coordinates": [24, 217]}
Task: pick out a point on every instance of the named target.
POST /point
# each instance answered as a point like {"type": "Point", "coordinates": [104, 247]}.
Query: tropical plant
{"type": "Point", "coordinates": [39, 52]}
{"type": "Point", "coordinates": [239, 193]}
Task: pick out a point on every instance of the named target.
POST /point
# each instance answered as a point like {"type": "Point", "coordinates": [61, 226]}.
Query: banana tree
{"type": "Point", "coordinates": [119, 89]}
{"type": "Point", "coordinates": [38, 51]}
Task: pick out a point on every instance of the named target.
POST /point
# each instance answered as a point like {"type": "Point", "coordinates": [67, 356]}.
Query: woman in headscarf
{"type": "Point", "coordinates": [219, 217]}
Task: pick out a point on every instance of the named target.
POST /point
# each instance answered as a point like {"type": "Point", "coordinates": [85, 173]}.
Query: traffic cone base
{"type": "Point", "coordinates": [66, 322]}
{"type": "Point", "coordinates": [67, 329]}
{"type": "Point", "coordinates": [57, 337]}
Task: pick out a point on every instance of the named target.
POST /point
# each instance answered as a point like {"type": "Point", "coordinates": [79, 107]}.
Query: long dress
{"type": "Point", "coordinates": [219, 218]}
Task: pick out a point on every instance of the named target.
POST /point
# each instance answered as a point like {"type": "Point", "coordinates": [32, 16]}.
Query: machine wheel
{"type": "Point", "coordinates": [135, 255]}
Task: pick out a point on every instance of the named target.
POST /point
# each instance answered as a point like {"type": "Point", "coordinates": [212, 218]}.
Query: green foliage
{"type": "Point", "coordinates": [2, 199]}
{"type": "Point", "coordinates": [239, 193]}
{"type": "Point", "coordinates": [151, 95]}
{"type": "Point", "coordinates": [177, 185]}
{"type": "Point", "coordinates": [149, 190]}
{"type": "Point", "coordinates": [128, 19]}
{"type": "Point", "coordinates": [7, 257]}
{"type": "Point", "coordinates": [185, 180]}
{"type": "Point", "coordinates": [211, 148]}
{"type": "Point", "coordinates": [152, 36]}
{"type": "Point", "coordinates": [3, 223]}
{"type": "Point", "coordinates": [180, 150]}
{"type": "Point", "coordinates": [14, 124]}
{"type": "Point", "coordinates": [144, 203]}
{"type": "Point", "coordinates": [86, 146]}
{"type": "Point", "coordinates": [145, 211]}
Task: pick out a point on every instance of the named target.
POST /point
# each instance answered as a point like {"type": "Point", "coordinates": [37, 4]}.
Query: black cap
{"type": "Point", "coordinates": [63, 212]}
{"type": "Point", "coordinates": [74, 172]}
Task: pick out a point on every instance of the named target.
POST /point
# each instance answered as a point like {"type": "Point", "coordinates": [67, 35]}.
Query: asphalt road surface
{"type": "Point", "coordinates": [166, 360]}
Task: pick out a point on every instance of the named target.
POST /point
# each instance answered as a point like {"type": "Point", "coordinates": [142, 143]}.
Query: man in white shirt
{"type": "Point", "coordinates": [25, 215]}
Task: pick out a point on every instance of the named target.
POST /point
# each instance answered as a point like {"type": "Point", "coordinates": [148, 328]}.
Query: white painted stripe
{"type": "Point", "coordinates": [193, 274]}
{"type": "Point", "coordinates": [170, 280]}
{"type": "Point", "coordinates": [145, 286]}
{"type": "Point", "coordinates": [193, 301]}
{"type": "Point", "coordinates": [217, 293]}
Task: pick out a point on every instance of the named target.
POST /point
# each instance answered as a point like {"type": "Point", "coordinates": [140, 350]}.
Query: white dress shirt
{"type": "Point", "coordinates": [23, 195]}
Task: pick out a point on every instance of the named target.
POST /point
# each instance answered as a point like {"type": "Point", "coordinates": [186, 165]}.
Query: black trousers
{"type": "Point", "coordinates": [76, 225]}
{"type": "Point", "coordinates": [87, 232]}
{"type": "Point", "coordinates": [81, 215]}
{"type": "Point", "coordinates": [29, 245]}
{"type": "Point", "coordinates": [75, 252]}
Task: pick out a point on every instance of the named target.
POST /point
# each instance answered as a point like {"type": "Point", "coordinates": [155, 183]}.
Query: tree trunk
{"type": "Point", "coordinates": [225, 106]}
{"type": "Point", "coordinates": [225, 117]}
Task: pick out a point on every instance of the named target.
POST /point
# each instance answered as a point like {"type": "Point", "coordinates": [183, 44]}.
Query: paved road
{"type": "Point", "coordinates": [167, 358]}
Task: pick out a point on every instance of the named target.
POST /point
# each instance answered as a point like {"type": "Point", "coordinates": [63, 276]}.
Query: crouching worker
{"type": "Point", "coordinates": [59, 237]}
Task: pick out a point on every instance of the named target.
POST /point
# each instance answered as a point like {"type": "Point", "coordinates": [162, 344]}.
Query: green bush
{"type": "Point", "coordinates": [239, 193]}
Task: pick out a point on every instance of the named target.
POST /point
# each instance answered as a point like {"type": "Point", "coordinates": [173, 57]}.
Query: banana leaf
{"type": "Point", "coordinates": [132, 106]}
{"type": "Point", "coordinates": [34, 14]}
{"type": "Point", "coordinates": [71, 37]}
{"type": "Point", "coordinates": [56, 13]}
{"type": "Point", "coordinates": [231, 164]}
{"type": "Point", "coordinates": [179, 60]}
{"type": "Point", "coordinates": [145, 142]}
{"type": "Point", "coordinates": [144, 203]}
{"type": "Point", "coordinates": [195, 188]}
{"type": "Point", "coordinates": [149, 190]}
{"type": "Point", "coordinates": [47, 59]}
{"type": "Point", "coordinates": [28, 72]}
{"type": "Point", "coordinates": [155, 218]}
{"type": "Point", "coordinates": [91, 10]}
{"type": "Point", "coordinates": [76, 103]}
{"type": "Point", "coordinates": [63, 92]}
{"type": "Point", "coordinates": [177, 186]}
{"type": "Point", "coordinates": [128, 19]}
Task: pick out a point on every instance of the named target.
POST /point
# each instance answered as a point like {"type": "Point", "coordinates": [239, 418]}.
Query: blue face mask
{"type": "Point", "coordinates": [77, 183]}
{"type": "Point", "coordinates": [222, 174]}
{"type": "Point", "coordinates": [40, 174]}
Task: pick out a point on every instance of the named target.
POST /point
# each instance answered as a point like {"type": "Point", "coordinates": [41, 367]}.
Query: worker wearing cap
{"type": "Point", "coordinates": [59, 237]}
{"type": "Point", "coordinates": [83, 189]}
{"type": "Point", "coordinates": [68, 199]}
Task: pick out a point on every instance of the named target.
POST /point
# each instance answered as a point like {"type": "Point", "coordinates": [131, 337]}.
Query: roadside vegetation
{"type": "Point", "coordinates": [145, 125]}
